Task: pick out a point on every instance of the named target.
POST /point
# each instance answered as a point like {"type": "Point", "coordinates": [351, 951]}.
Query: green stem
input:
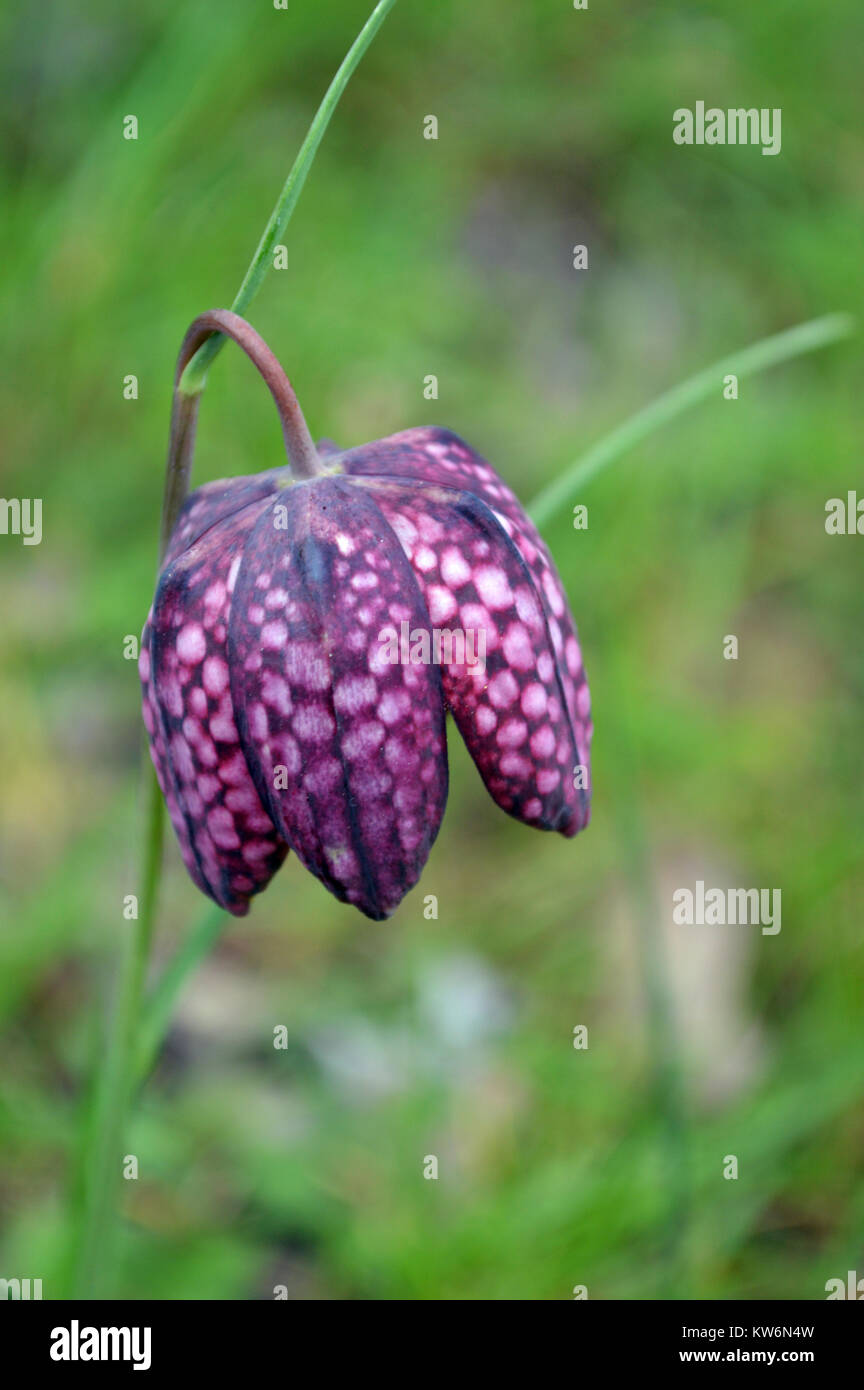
{"type": "Point", "coordinates": [195, 375]}
{"type": "Point", "coordinates": [159, 1007]}
{"type": "Point", "coordinates": [102, 1154]}
{"type": "Point", "coordinates": [302, 454]}
{"type": "Point", "coordinates": [806, 337]}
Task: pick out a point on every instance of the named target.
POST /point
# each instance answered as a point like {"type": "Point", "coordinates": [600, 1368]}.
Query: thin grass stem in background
{"type": "Point", "coordinates": [793, 342]}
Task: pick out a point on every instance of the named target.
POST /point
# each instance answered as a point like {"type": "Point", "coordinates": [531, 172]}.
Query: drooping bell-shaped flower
{"type": "Point", "coordinates": [308, 635]}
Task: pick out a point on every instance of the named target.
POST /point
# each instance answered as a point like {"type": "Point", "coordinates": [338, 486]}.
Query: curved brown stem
{"type": "Point", "coordinates": [184, 412]}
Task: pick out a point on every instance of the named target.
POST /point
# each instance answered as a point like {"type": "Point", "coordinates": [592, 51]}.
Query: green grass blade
{"type": "Point", "coordinates": [793, 342]}
{"type": "Point", "coordinates": [195, 374]}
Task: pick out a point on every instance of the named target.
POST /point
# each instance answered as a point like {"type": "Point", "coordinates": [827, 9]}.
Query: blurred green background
{"type": "Point", "coordinates": [303, 1167]}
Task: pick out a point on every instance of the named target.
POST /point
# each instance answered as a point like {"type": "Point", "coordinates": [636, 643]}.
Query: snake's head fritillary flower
{"type": "Point", "coordinates": [308, 637]}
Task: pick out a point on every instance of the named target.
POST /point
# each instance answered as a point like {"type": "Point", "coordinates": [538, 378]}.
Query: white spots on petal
{"type": "Point", "coordinates": [220, 823]}
{"type": "Point", "coordinates": [232, 574]}
{"type": "Point", "coordinates": [214, 676]}
{"type": "Point", "coordinates": [552, 590]}
{"type": "Point", "coordinates": [430, 530]}
{"type": "Point", "coordinates": [342, 862]}
{"type": "Point", "coordinates": [379, 658]}
{"type": "Point", "coordinates": [364, 580]}
{"type": "Point", "coordinates": [476, 618]}
{"type": "Point", "coordinates": [255, 850]}
{"type": "Point", "coordinates": [209, 787]}
{"type": "Point", "coordinates": [191, 643]}
{"type": "Point", "coordinates": [259, 726]}
{"type": "Point", "coordinates": [514, 765]}
{"type": "Point", "coordinates": [363, 740]}
{"type": "Point", "coordinates": [503, 689]}
{"type": "Point", "coordinates": [393, 705]}
{"type": "Point", "coordinates": [533, 701]}
{"type": "Point", "coordinates": [198, 700]}
{"type": "Point", "coordinates": [242, 799]}
{"type": "Point", "coordinates": [345, 544]}
{"type": "Point", "coordinates": [455, 570]}
{"type": "Point", "coordinates": [181, 758]}
{"type": "Point", "coordinates": [407, 798]}
{"type": "Point", "coordinates": [192, 730]}
{"type": "Point", "coordinates": [323, 777]}
{"type": "Point", "coordinates": [425, 559]}
{"type": "Point", "coordinates": [275, 692]}
{"type": "Point", "coordinates": [517, 648]}
{"type": "Point", "coordinates": [512, 734]}
{"type": "Point", "coordinates": [532, 809]}
{"type": "Point", "coordinates": [274, 635]}
{"type": "Point", "coordinates": [543, 742]}
{"type": "Point", "coordinates": [285, 753]}
{"type": "Point", "coordinates": [305, 666]}
{"type": "Point", "coordinates": [528, 608]}
{"type": "Point", "coordinates": [442, 604]}
{"type": "Point", "coordinates": [528, 551]}
{"type": "Point", "coordinates": [353, 693]}
{"type": "Point", "coordinates": [486, 719]}
{"type": "Point", "coordinates": [399, 757]}
{"type": "Point", "coordinates": [545, 667]}
{"type": "Point", "coordinates": [583, 700]}
{"type": "Point", "coordinates": [215, 596]}
{"type": "Point", "coordinates": [493, 587]}
{"type": "Point", "coordinates": [144, 664]}
{"type": "Point", "coordinates": [376, 781]}
{"type": "Point", "coordinates": [405, 530]}
{"type": "Point", "coordinates": [547, 780]}
{"type": "Point", "coordinates": [313, 724]}
{"type": "Point", "coordinates": [172, 696]}
{"type": "Point", "coordinates": [223, 729]}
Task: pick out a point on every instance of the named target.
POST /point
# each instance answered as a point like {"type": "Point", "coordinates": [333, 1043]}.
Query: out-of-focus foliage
{"type": "Point", "coordinates": [303, 1166]}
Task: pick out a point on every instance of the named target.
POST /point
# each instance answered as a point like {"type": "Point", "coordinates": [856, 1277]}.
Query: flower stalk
{"type": "Point", "coordinates": [96, 1178]}
{"type": "Point", "coordinates": [301, 450]}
